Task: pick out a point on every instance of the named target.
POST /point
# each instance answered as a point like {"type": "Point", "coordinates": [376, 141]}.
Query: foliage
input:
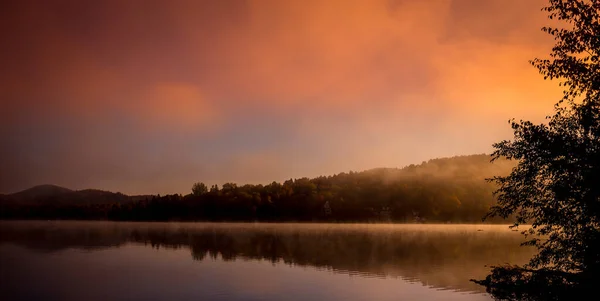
{"type": "Point", "coordinates": [554, 186]}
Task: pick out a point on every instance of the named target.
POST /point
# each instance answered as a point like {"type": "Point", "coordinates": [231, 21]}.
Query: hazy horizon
{"type": "Point", "coordinates": [447, 170]}
{"type": "Point", "coordinates": [149, 97]}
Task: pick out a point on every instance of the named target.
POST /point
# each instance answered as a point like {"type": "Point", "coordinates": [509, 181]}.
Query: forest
{"type": "Point", "coordinates": [446, 190]}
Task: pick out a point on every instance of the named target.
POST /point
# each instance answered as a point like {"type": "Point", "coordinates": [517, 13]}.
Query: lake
{"type": "Point", "coordinates": [62, 260]}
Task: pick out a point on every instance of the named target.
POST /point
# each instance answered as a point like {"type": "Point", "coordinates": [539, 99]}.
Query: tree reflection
{"type": "Point", "coordinates": [435, 255]}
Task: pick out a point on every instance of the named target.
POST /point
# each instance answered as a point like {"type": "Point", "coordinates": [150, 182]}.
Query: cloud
{"type": "Point", "coordinates": [266, 53]}
{"type": "Point", "coordinates": [126, 91]}
{"type": "Point", "coordinates": [178, 104]}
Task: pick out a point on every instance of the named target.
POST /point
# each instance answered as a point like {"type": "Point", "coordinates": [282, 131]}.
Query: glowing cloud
{"type": "Point", "coordinates": [124, 92]}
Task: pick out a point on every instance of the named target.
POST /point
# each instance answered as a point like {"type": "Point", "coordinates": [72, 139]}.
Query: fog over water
{"type": "Point", "coordinates": [222, 261]}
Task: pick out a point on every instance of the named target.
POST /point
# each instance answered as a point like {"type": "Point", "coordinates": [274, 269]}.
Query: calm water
{"type": "Point", "coordinates": [201, 261]}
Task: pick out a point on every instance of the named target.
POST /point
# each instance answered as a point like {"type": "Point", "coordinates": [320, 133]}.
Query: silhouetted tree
{"type": "Point", "coordinates": [199, 189]}
{"type": "Point", "coordinates": [555, 185]}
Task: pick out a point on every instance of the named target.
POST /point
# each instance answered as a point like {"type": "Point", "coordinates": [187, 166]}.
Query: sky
{"type": "Point", "coordinates": [150, 96]}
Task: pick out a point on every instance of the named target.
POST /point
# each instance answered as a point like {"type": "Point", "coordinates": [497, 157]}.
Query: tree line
{"type": "Point", "coordinates": [439, 190]}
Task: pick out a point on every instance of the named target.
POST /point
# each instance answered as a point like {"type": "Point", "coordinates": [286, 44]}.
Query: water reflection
{"type": "Point", "coordinates": [440, 256]}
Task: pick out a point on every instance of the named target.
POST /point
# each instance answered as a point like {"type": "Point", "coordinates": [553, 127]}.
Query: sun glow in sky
{"type": "Point", "coordinates": [151, 96]}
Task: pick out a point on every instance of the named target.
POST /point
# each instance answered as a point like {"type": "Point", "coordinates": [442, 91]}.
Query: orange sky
{"type": "Point", "coordinates": [151, 96]}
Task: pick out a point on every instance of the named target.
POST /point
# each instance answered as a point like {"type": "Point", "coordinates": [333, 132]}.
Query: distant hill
{"type": "Point", "coordinates": [56, 195]}
{"type": "Point", "coordinates": [40, 191]}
